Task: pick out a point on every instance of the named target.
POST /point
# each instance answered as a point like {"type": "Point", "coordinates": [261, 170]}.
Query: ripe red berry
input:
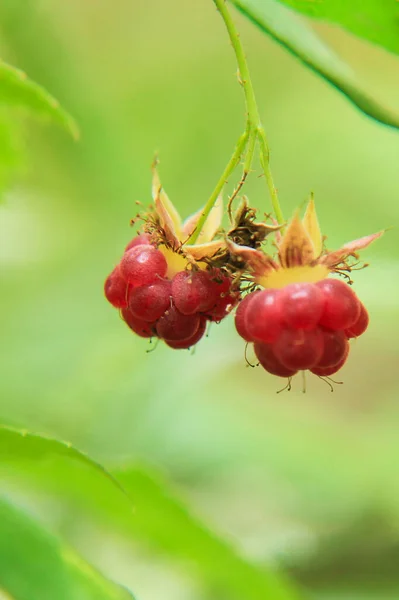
{"type": "Point", "coordinates": [361, 324]}
{"type": "Point", "coordinates": [326, 371]}
{"type": "Point", "coordinates": [262, 320]}
{"type": "Point", "coordinates": [115, 289]}
{"type": "Point", "coordinates": [301, 305]}
{"type": "Point", "coordinates": [142, 328]}
{"type": "Point", "coordinates": [298, 349]}
{"type": "Point", "coordinates": [142, 265]}
{"type": "Point", "coordinates": [336, 348]}
{"type": "Point", "coordinates": [149, 302]}
{"type": "Point", "coordinates": [193, 292]}
{"type": "Point", "coordinates": [174, 326]}
{"type": "Point", "coordinates": [270, 362]}
{"type": "Point", "coordinates": [341, 305]}
{"type": "Point", "coordinates": [141, 239]}
{"type": "Point", "coordinates": [194, 339]}
{"type": "Point", "coordinates": [240, 316]}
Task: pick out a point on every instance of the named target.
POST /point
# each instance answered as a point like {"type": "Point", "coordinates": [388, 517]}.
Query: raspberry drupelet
{"type": "Point", "coordinates": [299, 316]}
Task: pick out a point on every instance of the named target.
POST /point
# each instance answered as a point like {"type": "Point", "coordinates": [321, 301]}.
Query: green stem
{"type": "Point", "coordinates": [231, 165]}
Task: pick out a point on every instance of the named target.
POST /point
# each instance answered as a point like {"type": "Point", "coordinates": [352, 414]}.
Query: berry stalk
{"type": "Point", "coordinates": [254, 132]}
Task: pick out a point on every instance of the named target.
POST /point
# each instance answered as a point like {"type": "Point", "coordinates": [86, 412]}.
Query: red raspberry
{"type": "Point", "coordinates": [193, 292]}
{"type": "Point", "coordinates": [194, 339]}
{"type": "Point", "coordinates": [240, 315]}
{"type": "Point", "coordinates": [141, 239]}
{"type": "Point", "coordinates": [326, 371]}
{"type": "Point", "coordinates": [336, 348]}
{"type": "Point", "coordinates": [361, 324]}
{"type": "Point", "coordinates": [142, 328]}
{"type": "Point", "coordinates": [341, 305]}
{"type": "Point", "coordinates": [142, 265]}
{"type": "Point", "coordinates": [298, 349]}
{"type": "Point", "coordinates": [262, 320]}
{"type": "Point", "coordinates": [116, 289]}
{"type": "Point", "coordinates": [149, 302]}
{"type": "Point", "coordinates": [301, 305]}
{"type": "Point", "coordinates": [270, 362]}
{"type": "Point", "coordinates": [174, 326]}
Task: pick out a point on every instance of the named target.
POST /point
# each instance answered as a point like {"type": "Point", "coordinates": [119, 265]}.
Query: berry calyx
{"type": "Point", "coordinates": [301, 305]}
{"type": "Point", "coordinates": [341, 305]}
{"type": "Point", "coordinates": [269, 361]}
{"type": "Point", "coordinates": [142, 328]}
{"type": "Point", "coordinates": [116, 289]}
{"type": "Point", "coordinates": [263, 320]}
{"type": "Point", "coordinates": [142, 265]}
{"type": "Point", "coordinates": [360, 325]}
{"type": "Point", "coordinates": [149, 302]}
{"type": "Point", "coordinates": [193, 292]}
{"type": "Point", "coordinates": [299, 349]}
{"type": "Point", "coordinates": [174, 326]}
{"type": "Point", "coordinates": [194, 339]}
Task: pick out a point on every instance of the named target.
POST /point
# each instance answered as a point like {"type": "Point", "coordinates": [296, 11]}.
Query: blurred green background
{"type": "Point", "coordinates": [303, 482]}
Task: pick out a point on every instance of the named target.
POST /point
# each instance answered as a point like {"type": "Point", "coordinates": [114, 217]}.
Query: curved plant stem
{"type": "Point", "coordinates": [254, 132]}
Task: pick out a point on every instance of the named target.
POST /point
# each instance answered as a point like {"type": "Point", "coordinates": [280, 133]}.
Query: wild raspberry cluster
{"type": "Point", "coordinates": [174, 309]}
{"type": "Point", "coordinates": [302, 326]}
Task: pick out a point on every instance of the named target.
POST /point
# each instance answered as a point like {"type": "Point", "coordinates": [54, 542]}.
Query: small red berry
{"type": "Point", "coordinates": [240, 316]}
{"type": "Point", "coordinates": [262, 320]}
{"type": "Point", "coordinates": [193, 292]}
{"type": "Point", "coordinates": [115, 289]}
{"type": "Point", "coordinates": [184, 344]}
{"type": "Point", "coordinates": [336, 348]}
{"type": "Point", "coordinates": [301, 305]}
{"type": "Point", "coordinates": [149, 302]}
{"type": "Point", "coordinates": [270, 362]}
{"type": "Point", "coordinates": [326, 371]}
{"type": "Point", "coordinates": [141, 239]}
{"type": "Point", "coordinates": [174, 326]}
{"type": "Point", "coordinates": [341, 305]}
{"type": "Point", "coordinates": [142, 265]}
{"type": "Point", "coordinates": [361, 324]}
{"type": "Point", "coordinates": [142, 328]}
{"type": "Point", "coordinates": [298, 349]}
{"type": "Point", "coordinates": [224, 297]}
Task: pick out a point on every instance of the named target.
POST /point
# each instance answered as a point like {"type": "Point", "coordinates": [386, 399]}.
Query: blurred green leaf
{"type": "Point", "coordinates": [21, 445]}
{"type": "Point", "coordinates": [295, 35]}
{"type": "Point", "coordinates": [34, 565]}
{"type": "Point", "coordinates": [16, 90]}
{"type": "Point", "coordinates": [372, 20]}
{"type": "Point", "coordinates": [163, 521]}
{"type": "Point", "coordinates": [11, 148]}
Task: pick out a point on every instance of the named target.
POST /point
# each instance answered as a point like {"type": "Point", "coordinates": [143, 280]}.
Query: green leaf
{"type": "Point", "coordinates": [18, 445]}
{"type": "Point", "coordinates": [16, 90]}
{"type": "Point", "coordinates": [373, 20]}
{"type": "Point", "coordinates": [295, 35]}
{"type": "Point", "coordinates": [35, 565]}
{"type": "Point", "coordinates": [164, 522]}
